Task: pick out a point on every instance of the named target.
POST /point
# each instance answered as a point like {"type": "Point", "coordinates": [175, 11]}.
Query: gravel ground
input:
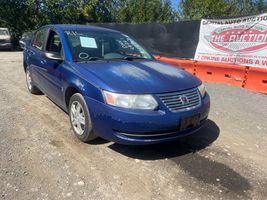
{"type": "Point", "coordinates": [41, 159]}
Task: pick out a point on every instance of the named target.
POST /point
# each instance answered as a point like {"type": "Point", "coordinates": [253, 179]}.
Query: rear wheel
{"type": "Point", "coordinates": [80, 118]}
{"type": "Point", "coordinates": [32, 89]}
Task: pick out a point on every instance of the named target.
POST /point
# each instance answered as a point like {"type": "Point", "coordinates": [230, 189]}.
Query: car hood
{"type": "Point", "coordinates": [146, 76]}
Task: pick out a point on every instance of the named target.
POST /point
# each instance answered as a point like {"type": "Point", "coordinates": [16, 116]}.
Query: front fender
{"type": "Point", "coordinates": [83, 84]}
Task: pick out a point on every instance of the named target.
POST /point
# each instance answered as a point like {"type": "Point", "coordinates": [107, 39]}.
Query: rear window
{"type": "Point", "coordinates": [39, 39]}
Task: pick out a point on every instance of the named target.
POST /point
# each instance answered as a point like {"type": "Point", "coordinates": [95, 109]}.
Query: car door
{"type": "Point", "coordinates": [52, 69]}
{"type": "Point", "coordinates": [35, 58]}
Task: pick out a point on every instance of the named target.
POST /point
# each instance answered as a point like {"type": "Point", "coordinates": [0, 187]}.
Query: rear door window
{"type": "Point", "coordinates": [39, 39]}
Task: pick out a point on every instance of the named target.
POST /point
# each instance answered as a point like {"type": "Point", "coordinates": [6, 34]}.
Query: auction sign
{"type": "Point", "coordinates": [241, 41]}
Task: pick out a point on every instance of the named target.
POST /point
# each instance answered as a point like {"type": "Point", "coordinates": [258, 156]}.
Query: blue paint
{"type": "Point", "coordinates": [134, 76]}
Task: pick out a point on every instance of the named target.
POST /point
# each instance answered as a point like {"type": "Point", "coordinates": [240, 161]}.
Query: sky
{"type": "Point", "coordinates": [175, 3]}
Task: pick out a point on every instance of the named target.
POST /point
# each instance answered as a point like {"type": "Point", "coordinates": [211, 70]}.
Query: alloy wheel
{"type": "Point", "coordinates": [77, 117]}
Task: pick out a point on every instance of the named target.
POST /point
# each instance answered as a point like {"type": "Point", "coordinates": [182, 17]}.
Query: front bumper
{"type": "Point", "coordinates": [138, 127]}
{"type": "Point", "coordinates": [6, 45]}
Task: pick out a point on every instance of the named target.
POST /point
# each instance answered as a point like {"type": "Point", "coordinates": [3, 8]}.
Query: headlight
{"type": "Point", "coordinates": [145, 102]}
{"type": "Point", "coordinates": [202, 90]}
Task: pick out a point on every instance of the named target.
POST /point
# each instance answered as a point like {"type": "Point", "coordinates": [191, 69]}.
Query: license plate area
{"type": "Point", "coordinates": [190, 122]}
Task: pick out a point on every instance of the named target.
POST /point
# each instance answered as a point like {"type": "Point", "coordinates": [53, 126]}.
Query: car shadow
{"type": "Point", "coordinates": [5, 50]}
{"type": "Point", "coordinates": [182, 153]}
{"type": "Point", "coordinates": [98, 141]}
{"type": "Point", "coordinates": [189, 144]}
{"type": "Point", "coordinates": [16, 49]}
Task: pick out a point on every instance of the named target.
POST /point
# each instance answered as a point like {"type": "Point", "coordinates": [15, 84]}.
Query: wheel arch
{"type": "Point", "coordinates": [24, 66]}
{"type": "Point", "coordinates": [71, 90]}
{"type": "Point", "coordinates": [86, 89]}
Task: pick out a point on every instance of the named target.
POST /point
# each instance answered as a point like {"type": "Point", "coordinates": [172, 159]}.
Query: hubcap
{"type": "Point", "coordinates": [29, 79]}
{"type": "Point", "coordinates": [77, 117]}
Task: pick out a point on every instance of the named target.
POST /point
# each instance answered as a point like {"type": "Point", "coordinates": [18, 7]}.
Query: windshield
{"type": "Point", "coordinates": [4, 32]}
{"type": "Point", "coordinates": [93, 45]}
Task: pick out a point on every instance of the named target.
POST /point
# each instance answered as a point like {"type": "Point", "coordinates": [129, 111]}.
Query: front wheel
{"type": "Point", "coordinates": [80, 118]}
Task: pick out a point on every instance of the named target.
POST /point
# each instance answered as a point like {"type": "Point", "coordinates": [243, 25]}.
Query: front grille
{"type": "Point", "coordinates": [181, 101]}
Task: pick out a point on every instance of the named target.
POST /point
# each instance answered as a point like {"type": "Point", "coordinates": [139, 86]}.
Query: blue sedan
{"type": "Point", "coordinates": [111, 87]}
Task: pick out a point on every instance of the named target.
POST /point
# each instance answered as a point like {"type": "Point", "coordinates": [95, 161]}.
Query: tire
{"type": "Point", "coordinates": [80, 119]}
{"type": "Point", "coordinates": [31, 87]}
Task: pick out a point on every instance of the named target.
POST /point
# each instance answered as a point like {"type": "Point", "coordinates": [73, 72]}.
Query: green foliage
{"type": "Point", "coordinates": [15, 15]}
{"type": "Point", "coordinates": [97, 11]}
{"type": "Point", "coordinates": [198, 9]}
{"type": "Point", "coordinates": [26, 15]}
{"type": "Point", "coordinates": [144, 11]}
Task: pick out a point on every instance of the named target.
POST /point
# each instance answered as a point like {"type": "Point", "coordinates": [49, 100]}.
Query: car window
{"type": "Point", "coordinates": [26, 35]}
{"type": "Point", "coordinates": [4, 32]}
{"type": "Point", "coordinates": [39, 39]}
{"type": "Point", "coordinates": [53, 43]}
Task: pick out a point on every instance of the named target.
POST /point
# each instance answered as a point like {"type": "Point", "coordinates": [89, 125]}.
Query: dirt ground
{"type": "Point", "coordinates": [41, 159]}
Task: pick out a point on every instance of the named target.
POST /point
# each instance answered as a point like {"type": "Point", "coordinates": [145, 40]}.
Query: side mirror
{"type": "Point", "coordinates": [53, 56]}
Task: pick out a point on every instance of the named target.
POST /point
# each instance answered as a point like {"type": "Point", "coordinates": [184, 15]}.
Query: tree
{"type": "Point", "coordinates": [98, 11]}
{"type": "Point", "coordinates": [27, 15]}
{"type": "Point", "coordinates": [143, 11]}
{"type": "Point", "coordinates": [17, 15]}
{"type": "Point", "coordinates": [198, 9]}
{"type": "Point", "coordinates": [79, 11]}
{"type": "Point", "coordinates": [261, 6]}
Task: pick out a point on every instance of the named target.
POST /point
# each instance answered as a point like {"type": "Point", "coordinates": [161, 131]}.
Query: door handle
{"type": "Point", "coordinates": [43, 62]}
{"type": "Point", "coordinates": [30, 52]}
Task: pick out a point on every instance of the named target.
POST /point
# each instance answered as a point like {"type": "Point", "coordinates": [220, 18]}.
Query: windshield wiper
{"type": "Point", "coordinates": [91, 59]}
{"type": "Point", "coordinates": [129, 58]}
{"type": "Point", "coordinates": [95, 58]}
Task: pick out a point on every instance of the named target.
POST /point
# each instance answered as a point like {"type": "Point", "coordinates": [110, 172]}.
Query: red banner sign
{"type": "Point", "coordinates": [240, 41]}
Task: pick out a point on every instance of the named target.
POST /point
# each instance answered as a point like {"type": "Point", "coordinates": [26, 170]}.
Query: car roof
{"type": "Point", "coordinates": [70, 27]}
